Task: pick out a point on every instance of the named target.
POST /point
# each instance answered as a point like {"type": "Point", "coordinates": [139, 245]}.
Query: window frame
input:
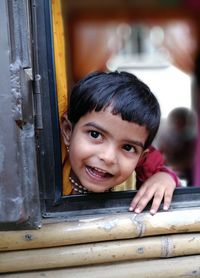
{"type": "Point", "coordinates": [48, 137]}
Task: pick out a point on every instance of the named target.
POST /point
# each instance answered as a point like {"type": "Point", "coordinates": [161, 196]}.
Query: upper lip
{"type": "Point", "coordinates": [100, 170]}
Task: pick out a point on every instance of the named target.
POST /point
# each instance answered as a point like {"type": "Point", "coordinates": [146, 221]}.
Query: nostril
{"type": "Point", "coordinates": [109, 157]}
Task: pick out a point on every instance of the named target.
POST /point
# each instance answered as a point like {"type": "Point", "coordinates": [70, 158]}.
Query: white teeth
{"type": "Point", "coordinates": [99, 170]}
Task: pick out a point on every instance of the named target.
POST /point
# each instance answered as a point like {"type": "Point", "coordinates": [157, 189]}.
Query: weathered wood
{"type": "Point", "coordinates": [103, 228]}
{"type": "Point", "coordinates": [97, 253]}
{"type": "Point", "coordinates": [182, 267]}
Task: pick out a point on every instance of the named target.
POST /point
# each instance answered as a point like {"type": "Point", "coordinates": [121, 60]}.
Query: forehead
{"type": "Point", "coordinates": [114, 126]}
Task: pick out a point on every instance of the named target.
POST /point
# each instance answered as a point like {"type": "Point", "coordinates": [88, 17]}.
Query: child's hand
{"type": "Point", "coordinates": [160, 185]}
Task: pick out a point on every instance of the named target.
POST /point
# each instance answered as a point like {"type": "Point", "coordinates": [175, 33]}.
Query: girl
{"type": "Point", "coordinates": [108, 129]}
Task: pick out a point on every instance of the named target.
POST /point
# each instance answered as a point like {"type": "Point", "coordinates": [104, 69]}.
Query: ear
{"type": "Point", "coordinates": [66, 129]}
{"type": "Point", "coordinates": [143, 154]}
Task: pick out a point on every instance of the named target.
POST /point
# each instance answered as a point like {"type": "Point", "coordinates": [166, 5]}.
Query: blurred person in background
{"type": "Point", "coordinates": [177, 142]}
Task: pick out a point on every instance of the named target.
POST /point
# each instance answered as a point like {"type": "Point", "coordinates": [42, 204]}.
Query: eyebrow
{"type": "Point", "coordinates": [131, 142]}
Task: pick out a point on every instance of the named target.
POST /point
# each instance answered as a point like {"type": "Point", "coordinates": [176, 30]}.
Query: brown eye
{"type": "Point", "coordinates": [129, 148]}
{"type": "Point", "coordinates": [95, 134]}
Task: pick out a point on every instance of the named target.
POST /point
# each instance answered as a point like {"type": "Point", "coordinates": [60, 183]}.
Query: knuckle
{"type": "Point", "coordinates": [158, 195]}
{"type": "Point", "coordinates": [143, 201]}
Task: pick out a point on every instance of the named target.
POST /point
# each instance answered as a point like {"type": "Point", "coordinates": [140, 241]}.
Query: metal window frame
{"type": "Point", "coordinates": [48, 131]}
{"type": "Point", "coordinates": [19, 193]}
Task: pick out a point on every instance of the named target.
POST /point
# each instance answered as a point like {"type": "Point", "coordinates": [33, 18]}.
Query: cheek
{"type": "Point", "coordinates": [79, 150]}
{"type": "Point", "coordinates": [128, 167]}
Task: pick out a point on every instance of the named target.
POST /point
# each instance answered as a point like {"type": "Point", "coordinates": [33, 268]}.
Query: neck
{"type": "Point", "coordinates": [78, 188]}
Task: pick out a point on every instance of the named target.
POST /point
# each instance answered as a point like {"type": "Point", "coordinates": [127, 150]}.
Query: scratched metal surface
{"type": "Point", "coordinates": [18, 177]}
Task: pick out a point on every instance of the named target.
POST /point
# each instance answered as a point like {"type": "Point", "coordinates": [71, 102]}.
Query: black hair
{"type": "Point", "coordinates": [124, 92]}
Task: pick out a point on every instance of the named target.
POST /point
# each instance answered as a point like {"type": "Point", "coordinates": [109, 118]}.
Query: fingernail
{"type": "Point", "coordinates": [130, 209]}
{"type": "Point", "coordinates": [152, 211]}
{"type": "Point", "coordinates": [165, 207]}
{"type": "Point", "coordinates": [137, 210]}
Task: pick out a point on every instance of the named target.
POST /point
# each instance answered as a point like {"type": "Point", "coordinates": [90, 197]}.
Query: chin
{"type": "Point", "coordinates": [97, 190]}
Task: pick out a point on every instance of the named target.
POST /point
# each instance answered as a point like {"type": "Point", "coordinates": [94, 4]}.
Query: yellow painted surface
{"type": "Point", "coordinates": [89, 242]}
{"type": "Point", "coordinates": [182, 267]}
{"type": "Point", "coordinates": [103, 228]}
{"type": "Point", "coordinates": [97, 253]}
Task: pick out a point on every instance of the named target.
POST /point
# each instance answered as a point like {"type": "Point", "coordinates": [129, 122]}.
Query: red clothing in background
{"type": "Point", "coordinates": [151, 163]}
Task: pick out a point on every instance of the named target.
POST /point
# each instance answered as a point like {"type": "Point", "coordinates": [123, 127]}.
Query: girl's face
{"type": "Point", "coordinates": [104, 149]}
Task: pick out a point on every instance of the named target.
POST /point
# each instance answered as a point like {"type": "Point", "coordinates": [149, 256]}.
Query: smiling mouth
{"type": "Point", "coordinates": [97, 173]}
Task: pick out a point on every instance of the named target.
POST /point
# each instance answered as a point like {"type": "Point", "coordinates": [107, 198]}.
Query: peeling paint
{"type": "Point", "coordinates": [16, 89]}
{"type": "Point", "coordinates": [190, 240]}
{"type": "Point", "coordinates": [140, 250]}
{"type": "Point", "coordinates": [108, 225]}
{"type": "Point", "coordinates": [16, 202]}
{"type": "Point", "coordinates": [138, 221]}
{"type": "Point", "coordinates": [166, 247]}
{"type": "Point", "coordinates": [28, 237]}
{"type": "Point", "coordinates": [193, 274]}
{"type": "Point", "coordinates": [90, 219]}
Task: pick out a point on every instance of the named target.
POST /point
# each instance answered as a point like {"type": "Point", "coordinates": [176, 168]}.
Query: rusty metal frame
{"type": "Point", "coordinates": [19, 193]}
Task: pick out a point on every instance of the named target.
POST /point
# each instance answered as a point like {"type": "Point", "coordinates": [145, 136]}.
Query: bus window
{"type": "Point", "coordinates": [107, 35]}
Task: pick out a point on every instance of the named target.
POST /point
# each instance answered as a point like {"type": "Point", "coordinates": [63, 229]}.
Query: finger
{"type": "Point", "coordinates": [167, 200]}
{"type": "Point", "coordinates": [156, 201]}
{"type": "Point", "coordinates": [143, 201]}
{"type": "Point", "coordinates": [136, 199]}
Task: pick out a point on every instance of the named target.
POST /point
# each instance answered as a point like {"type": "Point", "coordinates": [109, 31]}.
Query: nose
{"type": "Point", "coordinates": [108, 154]}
